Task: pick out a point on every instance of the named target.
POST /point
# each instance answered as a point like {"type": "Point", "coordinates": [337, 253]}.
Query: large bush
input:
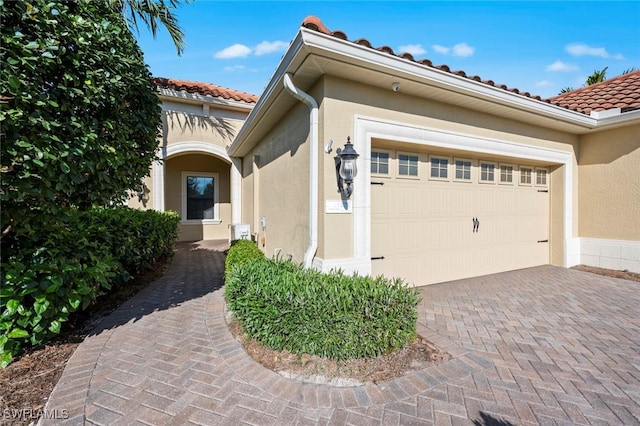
{"type": "Point", "coordinates": [285, 306]}
{"type": "Point", "coordinates": [80, 116]}
{"type": "Point", "coordinates": [47, 278]}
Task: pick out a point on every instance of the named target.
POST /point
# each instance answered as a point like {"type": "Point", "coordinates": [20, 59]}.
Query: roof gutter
{"type": "Point", "coordinates": [313, 166]}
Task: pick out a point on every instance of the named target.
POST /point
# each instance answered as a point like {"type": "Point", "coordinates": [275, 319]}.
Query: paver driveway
{"type": "Point", "coordinates": [538, 346]}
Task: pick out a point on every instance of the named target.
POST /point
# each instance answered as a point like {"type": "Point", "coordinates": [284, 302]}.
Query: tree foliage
{"type": "Point", "coordinates": [152, 12]}
{"type": "Point", "coordinates": [80, 117]}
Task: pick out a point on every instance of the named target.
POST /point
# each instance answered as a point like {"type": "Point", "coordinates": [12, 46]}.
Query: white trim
{"type": "Point", "coordinates": [157, 170]}
{"type": "Point", "coordinates": [216, 199]}
{"type": "Point", "coordinates": [167, 151]}
{"type": "Point", "coordinates": [611, 254]}
{"type": "Point", "coordinates": [366, 128]}
{"type": "Point", "coordinates": [236, 190]}
{"type": "Point", "coordinates": [197, 147]}
{"type": "Point", "coordinates": [348, 265]}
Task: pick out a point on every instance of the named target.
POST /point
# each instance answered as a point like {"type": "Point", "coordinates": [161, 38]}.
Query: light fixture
{"type": "Point", "coordinates": [346, 169]}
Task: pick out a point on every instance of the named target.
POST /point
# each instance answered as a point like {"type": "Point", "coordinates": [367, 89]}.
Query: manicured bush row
{"type": "Point", "coordinates": [65, 267]}
{"type": "Point", "coordinates": [285, 306]}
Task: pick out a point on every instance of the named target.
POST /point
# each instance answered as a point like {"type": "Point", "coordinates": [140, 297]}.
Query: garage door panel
{"type": "Point", "coordinates": [424, 229]}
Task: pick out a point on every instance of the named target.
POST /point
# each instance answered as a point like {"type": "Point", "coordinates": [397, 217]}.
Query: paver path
{"type": "Point", "coordinates": [543, 345]}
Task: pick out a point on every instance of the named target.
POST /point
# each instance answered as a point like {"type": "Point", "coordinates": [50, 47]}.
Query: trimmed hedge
{"type": "Point", "coordinates": [285, 306]}
{"type": "Point", "coordinates": [241, 251]}
{"type": "Point", "coordinates": [65, 267]}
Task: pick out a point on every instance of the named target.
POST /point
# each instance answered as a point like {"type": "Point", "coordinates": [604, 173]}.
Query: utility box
{"type": "Point", "coordinates": [239, 231]}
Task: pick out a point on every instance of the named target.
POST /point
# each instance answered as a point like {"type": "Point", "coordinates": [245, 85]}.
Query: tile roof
{"type": "Point", "coordinates": [314, 23]}
{"type": "Point", "coordinates": [622, 92]}
{"type": "Point", "coordinates": [619, 92]}
{"type": "Point", "coordinates": [206, 89]}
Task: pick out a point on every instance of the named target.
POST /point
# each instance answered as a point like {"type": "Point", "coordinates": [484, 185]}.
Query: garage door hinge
{"type": "Point", "coordinates": [377, 183]}
{"type": "Point", "coordinates": [377, 258]}
{"type": "Point", "coordinates": [543, 190]}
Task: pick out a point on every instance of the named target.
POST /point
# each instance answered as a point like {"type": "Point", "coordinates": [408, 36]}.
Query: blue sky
{"type": "Point", "coordinates": [539, 47]}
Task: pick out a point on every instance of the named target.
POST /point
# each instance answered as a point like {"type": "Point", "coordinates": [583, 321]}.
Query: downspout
{"type": "Point", "coordinates": [313, 166]}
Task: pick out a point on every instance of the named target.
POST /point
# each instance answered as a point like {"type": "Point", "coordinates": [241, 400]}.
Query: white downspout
{"type": "Point", "coordinates": [313, 166]}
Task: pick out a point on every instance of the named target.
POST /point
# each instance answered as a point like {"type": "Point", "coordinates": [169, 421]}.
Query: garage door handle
{"type": "Point", "coordinates": [377, 183]}
{"type": "Point", "coordinates": [543, 241]}
{"type": "Point", "coordinates": [377, 258]}
{"type": "Point", "coordinates": [476, 224]}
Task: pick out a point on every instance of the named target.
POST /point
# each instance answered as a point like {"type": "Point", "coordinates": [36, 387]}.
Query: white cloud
{"type": "Point", "coordinates": [267, 47]}
{"type": "Point", "coordinates": [414, 49]}
{"type": "Point", "coordinates": [441, 49]}
{"type": "Point", "coordinates": [235, 51]}
{"type": "Point", "coordinates": [579, 49]}
{"type": "Point", "coordinates": [463, 49]}
{"type": "Point", "coordinates": [242, 51]}
{"type": "Point", "coordinates": [561, 66]}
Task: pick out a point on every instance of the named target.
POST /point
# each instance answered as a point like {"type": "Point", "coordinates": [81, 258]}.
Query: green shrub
{"type": "Point", "coordinates": [64, 268]}
{"type": "Point", "coordinates": [285, 306]}
{"type": "Point", "coordinates": [137, 238]}
{"type": "Point", "coordinates": [242, 251]}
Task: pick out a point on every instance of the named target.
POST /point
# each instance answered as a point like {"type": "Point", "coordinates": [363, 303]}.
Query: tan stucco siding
{"type": "Point", "coordinates": [216, 129]}
{"type": "Point", "coordinates": [609, 195]}
{"type": "Point", "coordinates": [277, 180]}
{"type": "Point", "coordinates": [174, 193]}
{"type": "Point", "coordinates": [345, 99]}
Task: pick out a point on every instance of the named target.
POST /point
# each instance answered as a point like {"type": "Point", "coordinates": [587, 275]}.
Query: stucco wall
{"type": "Point", "coordinates": [344, 99]}
{"type": "Point", "coordinates": [184, 122]}
{"type": "Point", "coordinates": [609, 173]}
{"type": "Point", "coordinates": [276, 185]}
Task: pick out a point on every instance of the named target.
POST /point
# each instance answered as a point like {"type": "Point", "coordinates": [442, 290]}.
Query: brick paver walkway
{"type": "Point", "coordinates": [543, 345]}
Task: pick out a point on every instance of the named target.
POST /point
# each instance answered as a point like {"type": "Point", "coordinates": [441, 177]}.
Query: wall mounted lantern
{"type": "Point", "coordinates": [346, 169]}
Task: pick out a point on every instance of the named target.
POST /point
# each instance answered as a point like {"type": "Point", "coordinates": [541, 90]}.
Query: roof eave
{"type": "Point", "coordinates": [435, 76]}
{"type": "Point", "coordinates": [199, 99]}
{"type": "Point", "coordinates": [309, 42]}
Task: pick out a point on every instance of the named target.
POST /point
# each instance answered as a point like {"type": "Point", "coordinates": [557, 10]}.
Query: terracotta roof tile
{"type": "Point", "coordinates": [622, 91]}
{"type": "Point", "coordinates": [206, 89]}
{"type": "Point", "coordinates": [619, 92]}
{"type": "Point", "coordinates": [314, 23]}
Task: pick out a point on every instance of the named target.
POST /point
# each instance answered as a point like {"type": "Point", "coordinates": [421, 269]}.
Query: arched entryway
{"type": "Point", "coordinates": [201, 183]}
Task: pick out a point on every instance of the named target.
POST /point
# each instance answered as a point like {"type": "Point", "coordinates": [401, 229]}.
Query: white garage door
{"type": "Point", "coordinates": [437, 218]}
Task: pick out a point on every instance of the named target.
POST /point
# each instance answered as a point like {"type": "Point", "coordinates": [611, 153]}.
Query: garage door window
{"type": "Point", "coordinates": [439, 168]}
{"type": "Point", "coordinates": [487, 172]}
{"type": "Point", "coordinates": [407, 165]}
{"type": "Point", "coordinates": [525, 175]}
{"type": "Point", "coordinates": [541, 177]}
{"type": "Point", "coordinates": [506, 174]}
{"type": "Point", "coordinates": [463, 170]}
{"type": "Point", "coordinates": [380, 163]}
